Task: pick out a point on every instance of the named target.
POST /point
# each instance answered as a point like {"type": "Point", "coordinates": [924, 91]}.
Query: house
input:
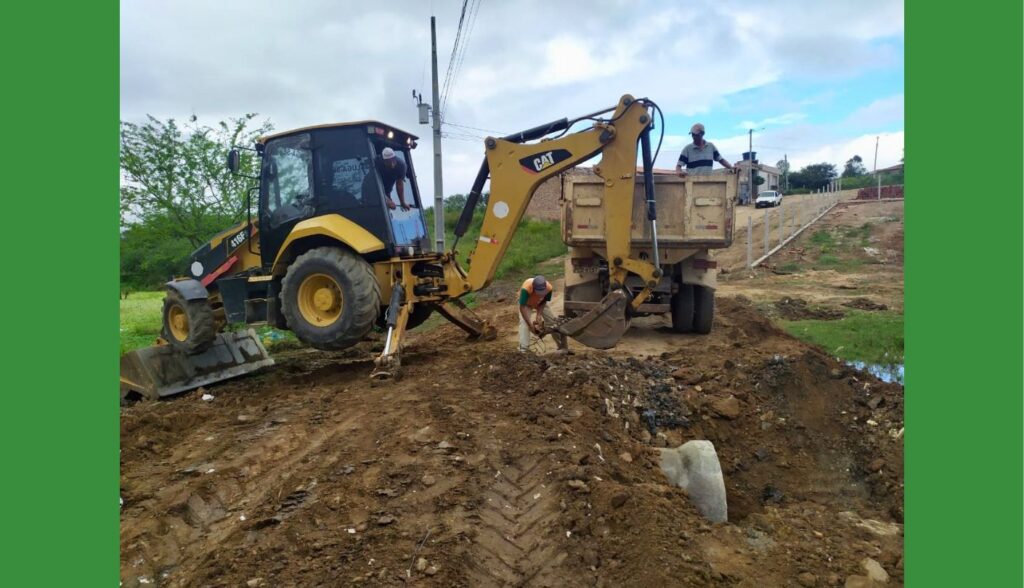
{"type": "Point", "coordinates": [771, 176]}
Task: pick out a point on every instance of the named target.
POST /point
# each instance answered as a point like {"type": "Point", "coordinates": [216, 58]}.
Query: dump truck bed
{"type": "Point", "coordinates": [693, 212]}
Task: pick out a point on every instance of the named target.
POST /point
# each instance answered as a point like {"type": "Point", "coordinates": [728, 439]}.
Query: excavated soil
{"type": "Point", "coordinates": [486, 467]}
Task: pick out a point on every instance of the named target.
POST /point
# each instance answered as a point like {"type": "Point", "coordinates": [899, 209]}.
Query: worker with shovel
{"type": "Point", "coordinates": [535, 295]}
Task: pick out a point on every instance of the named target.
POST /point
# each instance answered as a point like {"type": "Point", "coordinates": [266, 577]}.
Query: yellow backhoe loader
{"type": "Point", "coordinates": [328, 256]}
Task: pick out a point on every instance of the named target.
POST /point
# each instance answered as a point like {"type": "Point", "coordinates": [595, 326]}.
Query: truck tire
{"type": "Point", "coordinates": [188, 325]}
{"type": "Point", "coordinates": [682, 309]}
{"type": "Point", "coordinates": [330, 298]}
{"type": "Point", "coordinates": [703, 309]}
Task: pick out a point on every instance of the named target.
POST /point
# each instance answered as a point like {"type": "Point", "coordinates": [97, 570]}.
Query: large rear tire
{"type": "Point", "coordinates": [330, 298]}
{"type": "Point", "coordinates": [682, 309]}
{"type": "Point", "coordinates": [703, 309]}
{"type": "Point", "coordinates": [188, 325]}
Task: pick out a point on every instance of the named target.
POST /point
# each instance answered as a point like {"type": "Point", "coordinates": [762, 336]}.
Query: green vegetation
{"type": "Point", "coordinates": [874, 337]}
{"type": "Point", "coordinates": [535, 241]}
{"type": "Point", "coordinates": [140, 319]}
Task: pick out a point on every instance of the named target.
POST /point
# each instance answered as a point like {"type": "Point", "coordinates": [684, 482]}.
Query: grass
{"type": "Point", "coordinates": [140, 319]}
{"type": "Point", "coordinates": [873, 337]}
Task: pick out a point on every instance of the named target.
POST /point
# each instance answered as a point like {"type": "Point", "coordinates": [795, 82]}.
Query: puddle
{"type": "Point", "coordinates": [889, 373]}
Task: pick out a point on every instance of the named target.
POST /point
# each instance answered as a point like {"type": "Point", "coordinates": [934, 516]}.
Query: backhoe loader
{"type": "Point", "coordinates": [327, 258]}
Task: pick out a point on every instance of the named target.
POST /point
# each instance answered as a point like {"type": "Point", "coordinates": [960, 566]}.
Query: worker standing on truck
{"type": "Point", "coordinates": [392, 173]}
{"type": "Point", "coordinates": [700, 156]}
{"type": "Point", "coordinates": [535, 295]}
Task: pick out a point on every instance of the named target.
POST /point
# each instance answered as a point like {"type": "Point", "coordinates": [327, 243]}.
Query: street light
{"type": "Point", "coordinates": [750, 160]}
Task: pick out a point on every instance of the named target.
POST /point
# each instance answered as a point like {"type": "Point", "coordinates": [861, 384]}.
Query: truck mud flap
{"type": "Point", "coordinates": [161, 370]}
{"type": "Point", "coordinates": [602, 326]}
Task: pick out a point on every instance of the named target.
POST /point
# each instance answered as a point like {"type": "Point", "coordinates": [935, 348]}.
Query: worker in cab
{"type": "Point", "coordinates": [392, 173]}
{"type": "Point", "coordinates": [534, 296]}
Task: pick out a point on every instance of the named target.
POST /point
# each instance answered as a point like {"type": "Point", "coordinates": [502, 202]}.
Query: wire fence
{"type": "Point", "coordinates": [789, 221]}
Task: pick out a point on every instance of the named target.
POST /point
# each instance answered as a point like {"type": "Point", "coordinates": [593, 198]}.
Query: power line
{"type": "Point", "coordinates": [455, 47]}
{"type": "Point", "coordinates": [459, 51]}
{"type": "Point", "coordinates": [492, 131]}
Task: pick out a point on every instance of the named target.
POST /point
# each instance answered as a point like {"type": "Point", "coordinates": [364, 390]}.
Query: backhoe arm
{"type": "Point", "coordinates": [516, 169]}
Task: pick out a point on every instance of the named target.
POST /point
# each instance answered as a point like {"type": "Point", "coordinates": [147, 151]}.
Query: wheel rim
{"type": "Point", "coordinates": [320, 300]}
{"type": "Point", "coordinates": [177, 322]}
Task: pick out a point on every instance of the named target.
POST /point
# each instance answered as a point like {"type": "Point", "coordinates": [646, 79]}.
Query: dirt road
{"type": "Point", "coordinates": [486, 467]}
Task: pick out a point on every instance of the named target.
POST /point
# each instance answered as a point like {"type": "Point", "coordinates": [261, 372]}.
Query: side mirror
{"type": "Point", "coordinates": [233, 161]}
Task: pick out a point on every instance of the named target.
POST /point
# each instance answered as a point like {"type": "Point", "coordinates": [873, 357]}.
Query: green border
{"type": "Point", "coordinates": [963, 295]}
{"type": "Point", "coordinates": [60, 294]}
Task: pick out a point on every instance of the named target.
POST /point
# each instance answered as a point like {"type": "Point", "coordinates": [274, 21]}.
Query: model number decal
{"type": "Point", "coordinates": [238, 239]}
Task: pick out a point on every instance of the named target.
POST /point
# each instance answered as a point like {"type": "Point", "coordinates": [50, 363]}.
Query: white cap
{"type": "Point", "coordinates": [388, 153]}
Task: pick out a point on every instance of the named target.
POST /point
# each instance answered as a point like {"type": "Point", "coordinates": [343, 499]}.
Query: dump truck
{"type": "Point", "coordinates": [694, 215]}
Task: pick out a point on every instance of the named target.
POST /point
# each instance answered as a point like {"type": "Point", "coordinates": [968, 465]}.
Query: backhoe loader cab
{"type": "Point", "coordinates": [328, 170]}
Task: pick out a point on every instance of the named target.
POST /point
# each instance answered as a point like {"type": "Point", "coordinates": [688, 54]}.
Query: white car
{"type": "Point", "coordinates": [768, 198]}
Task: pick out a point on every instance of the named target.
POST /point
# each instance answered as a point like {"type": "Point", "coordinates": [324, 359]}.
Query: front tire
{"type": "Point", "coordinates": [330, 298]}
{"type": "Point", "coordinates": [188, 325]}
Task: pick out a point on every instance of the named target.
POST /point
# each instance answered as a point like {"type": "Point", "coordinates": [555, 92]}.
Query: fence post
{"type": "Point", "coordinates": [782, 223]}
{"type": "Point", "coordinates": [766, 229]}
{"type": "Point", "coordinates": [750, 240]}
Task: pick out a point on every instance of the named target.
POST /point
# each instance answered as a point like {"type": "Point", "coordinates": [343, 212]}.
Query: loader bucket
{"type": "Point", "coordinates": [602, 326]}
{"type": "Point", "coordinates": [161, 370]}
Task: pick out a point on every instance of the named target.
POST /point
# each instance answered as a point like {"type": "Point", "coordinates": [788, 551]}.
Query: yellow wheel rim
{"type": "Point", "coordinates": [177, 322]}
{"type": "Point", "coordinates": [320, 300]}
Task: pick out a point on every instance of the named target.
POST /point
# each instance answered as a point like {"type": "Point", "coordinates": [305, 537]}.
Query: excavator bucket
{"type": "Point", "coordinates": [161, 370]}
{"type": "Point", "coordinates": [602, 326]}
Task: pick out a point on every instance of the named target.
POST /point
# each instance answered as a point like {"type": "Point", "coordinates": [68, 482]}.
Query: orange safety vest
{"type": "Point", "coordinates": [535, 298]}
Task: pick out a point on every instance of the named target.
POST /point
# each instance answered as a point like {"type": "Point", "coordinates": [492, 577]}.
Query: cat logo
{"type": "Point", "coordinates": [542, 161]}
{"type": "Point", "coordinates": [237, 239]}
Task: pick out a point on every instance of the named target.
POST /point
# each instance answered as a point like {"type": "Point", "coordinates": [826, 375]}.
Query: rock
{"type": "Point", "coordinates": [445, 446]}
{"type": "Point", "coordinates": [385, 520]}
{"type": "Point", "coordinates": [619, 499]}
{"type": "Point", "coordinates": [361, 527]}
{"type": "Point", "coordinates": [726, 407]}
{"type": "Point", "coordinates": [579, 486]}
{"type": "Point", "coordinates": [761, 454]}
{"type": "Point", "coordinates": [861, 582]}
{"type": "Point", "coordinates": [661, 440]}
{"type": "Point", "coordinates": [807, 579]}
{"type": "Point", "coordinates": [679, 374]}
{"type": "Point", "coordinates": [431, 570]}
{"type": "Point", "coordinates": [836, 374]}
{"type": "Point", "coordinates": [770, 494]}
{"type": "Point", "coordinates": [832, 579]}
{"type": "Point", "coordinates": [694, 467]}
{"type": "Point", "coordinates": [876, 527]}
{"type": "Point", "coordinates": [254, 582]}
{"type": "Point", "coordinates": [428, 480]}
{"type": "Point", "coordinates": [875, 570]}
{"type": "Point", "coordinates": [876, 465]}
{"type": "Point", "coordinates": [645, 436]}
{"type": "Point", "coordinates": [626, 457]}
{"type": "Point", "coordinates": [421, 564]}
{"type": "Point", "coordinates": [729, 364]}
{"type": "Point", "coordinates": [424, 435]}
{"type": "Point", "coordinates": [244, 418]}
{"type": "Point", "coordinates": [875, 401]}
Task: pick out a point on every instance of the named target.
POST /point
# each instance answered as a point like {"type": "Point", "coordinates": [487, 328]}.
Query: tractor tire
{"type": "Point", "coordinates": [682, 309]}
{"type": "Point", "coordinates": [703, 309]}
{"type": "Point", "coordinates": [188, 325]}
{"type": "Point", "coordinates": [330, 298]}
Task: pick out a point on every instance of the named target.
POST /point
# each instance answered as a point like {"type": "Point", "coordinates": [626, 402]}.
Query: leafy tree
{"type": "Point", "coordinates": [175, 178]}
{"type": "Point", "coordinates": [176, 191]}
{"type": "Point", "coordinates": [854, 167]}
{"type": "Point", "coordinates": [813, 177]}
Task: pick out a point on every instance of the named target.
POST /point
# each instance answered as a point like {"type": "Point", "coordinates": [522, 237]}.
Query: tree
{"type": "Point", "coordinates": [813, 177]}
{"type": "Point", "coordinates": [854, 167]}
{"type": "Point", "coordinates": [783, 166]}
{"type": "Point", "coordinates": [175, 179]}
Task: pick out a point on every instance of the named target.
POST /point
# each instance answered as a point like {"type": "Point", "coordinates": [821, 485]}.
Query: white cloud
{"type": "Point", "coordinates": [782, 119]}
{"type": "Point", "coordinates": [881, 112]}
{"type": "Point", "coordinates": [527, 62]}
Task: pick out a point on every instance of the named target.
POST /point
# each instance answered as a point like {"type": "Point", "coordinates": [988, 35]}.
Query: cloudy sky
{"type": "Point", "coordinates": [817, 81]}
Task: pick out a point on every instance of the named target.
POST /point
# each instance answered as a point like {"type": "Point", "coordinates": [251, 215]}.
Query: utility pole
{"type": "Point", "coordinates": [786, 159]}
{"type": "Point", "coordinates": [750, 160]}
{"type": "Point", "coordinates": [438, 190]}
{"type": "Point", "coordinates": [878, 178]}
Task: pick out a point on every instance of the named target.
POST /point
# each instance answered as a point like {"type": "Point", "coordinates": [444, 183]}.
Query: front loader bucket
{"type": "Point", "coordinates": [602, 326]}
{"type": "Point", "coordinates": [161, 370]}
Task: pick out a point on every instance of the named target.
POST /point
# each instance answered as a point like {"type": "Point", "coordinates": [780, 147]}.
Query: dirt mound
{"type": "Point", "coordinates": [486, 467]}
{"type": "Point", "coordinates": [865, 304]}
{"type": "Point", "coordinates": [796, 309]}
